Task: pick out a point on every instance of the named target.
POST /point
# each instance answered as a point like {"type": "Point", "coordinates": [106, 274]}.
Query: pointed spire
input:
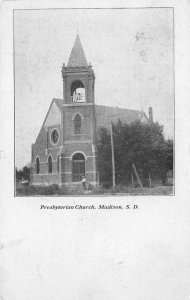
{"type": "Point", "coordinates": [77, 57]}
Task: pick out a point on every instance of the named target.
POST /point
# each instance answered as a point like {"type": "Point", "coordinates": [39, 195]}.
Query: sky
{"type": "Point", "coordinates": [131, 51]}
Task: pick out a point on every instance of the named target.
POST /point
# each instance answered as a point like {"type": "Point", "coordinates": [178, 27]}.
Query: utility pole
{"type": "Point", "coordinates": [113, 159]}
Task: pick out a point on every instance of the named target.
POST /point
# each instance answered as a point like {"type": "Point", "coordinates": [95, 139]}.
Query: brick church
{"type": "Point", "coordinates": [66, 146]}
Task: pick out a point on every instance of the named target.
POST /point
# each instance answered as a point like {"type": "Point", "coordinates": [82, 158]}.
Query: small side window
{"type": "Point", "coordinates": [49, 164]}
{"type": "Point", "coordinates": [37, 165]}
{"type": "Point", "coordinates": [58, 164]}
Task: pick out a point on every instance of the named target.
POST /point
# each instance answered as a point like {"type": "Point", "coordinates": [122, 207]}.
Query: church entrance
{"type": "Point", "coordinates": [78, 163]}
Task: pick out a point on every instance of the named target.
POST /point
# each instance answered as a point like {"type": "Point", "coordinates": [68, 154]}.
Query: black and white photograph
{"type": "Point", "coordinates": [94, 101]}
{"type": "Point", "coordinates": [94, 150]}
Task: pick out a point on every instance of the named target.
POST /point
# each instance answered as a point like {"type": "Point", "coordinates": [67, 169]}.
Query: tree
{"type": "Point", "coordinates": [137, 143]}
{"type": "Point", "coordinates": [24, 173]}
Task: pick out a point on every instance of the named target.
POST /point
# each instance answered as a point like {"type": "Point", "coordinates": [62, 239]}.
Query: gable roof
{"type": "Point", "coordinates": [106, 114]}
{"type": "Point", "coordinates": [77, 57]}
{"type": "Point", "coordinates": [59, 104]}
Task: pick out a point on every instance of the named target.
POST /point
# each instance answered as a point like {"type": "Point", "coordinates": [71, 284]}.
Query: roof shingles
{"type": "Point", "coordinates": [106, 114]}
{"type": "Point", "coordinates": [77, 57]}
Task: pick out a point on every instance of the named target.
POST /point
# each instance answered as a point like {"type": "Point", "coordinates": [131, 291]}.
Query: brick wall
{"type": "Point", "coordinates": [86, 125]}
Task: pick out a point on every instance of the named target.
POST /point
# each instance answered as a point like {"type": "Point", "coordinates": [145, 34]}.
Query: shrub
{"type": "Point", "coordinates": [25, 190]}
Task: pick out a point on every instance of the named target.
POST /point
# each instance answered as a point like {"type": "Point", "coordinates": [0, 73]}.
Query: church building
{"type": "Point", "coordinates": [66, 146]}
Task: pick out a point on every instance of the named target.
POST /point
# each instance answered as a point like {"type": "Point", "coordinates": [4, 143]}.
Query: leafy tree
{"type": "Point", "coordinates": [24, 173]}
{"type": "Point", "coordinates": [137, 143]}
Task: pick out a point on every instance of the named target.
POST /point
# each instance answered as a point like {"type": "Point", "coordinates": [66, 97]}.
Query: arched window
{"type": "Point", "coordinates": [78, 162]}
{"type": "Point", "coordinates": [37, 165]}
{"type": "Point", "coordinates": [77, 91]}
{"type": "Point", "coordinates": [49, 164]}
{"type": "Point", "coordinates": [77, 124]}
{"type": "Point", "coordinates": [58, 164]}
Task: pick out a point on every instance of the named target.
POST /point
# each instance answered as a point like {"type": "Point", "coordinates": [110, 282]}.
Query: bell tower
{"type": "Point", "coordinates": [79, 124]}
{"type": "Point", "coordinates": [78, 77]}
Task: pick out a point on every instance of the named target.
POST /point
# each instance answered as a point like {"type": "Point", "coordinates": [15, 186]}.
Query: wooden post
{"type": "Point", "coordinates": [132, 179]}
{"type": "Point", "coordinates": [138, 179]}
{"type": "Point", "coordinates": [113, 159]}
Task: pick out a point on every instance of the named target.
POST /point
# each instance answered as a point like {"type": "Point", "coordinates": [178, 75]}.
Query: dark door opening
{"type": "Point", "coordinates": [78, 163]}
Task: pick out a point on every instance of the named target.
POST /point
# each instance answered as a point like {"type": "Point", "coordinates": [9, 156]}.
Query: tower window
{"type": "Point", "coordinates": [77, 91]}
{"type": "Point", "coordinates": [49, 164]}
{"type": "Point", "coordinates": [37, 165]}
{"type": "Point", "coordinates": [77, 124]}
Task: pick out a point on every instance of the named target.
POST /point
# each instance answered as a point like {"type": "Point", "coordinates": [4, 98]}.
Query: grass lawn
{"type": "Point", "coordinates": [55, 190]}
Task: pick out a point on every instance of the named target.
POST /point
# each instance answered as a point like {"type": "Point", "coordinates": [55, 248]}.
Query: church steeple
{"type": "Point", "coordinates": [77, 57]}
{"type": "Point", "coordinates": [78, 77]}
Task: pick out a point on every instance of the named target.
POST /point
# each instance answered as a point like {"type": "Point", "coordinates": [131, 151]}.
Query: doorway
{"type": "Point", "coordinates": [78, 163]}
